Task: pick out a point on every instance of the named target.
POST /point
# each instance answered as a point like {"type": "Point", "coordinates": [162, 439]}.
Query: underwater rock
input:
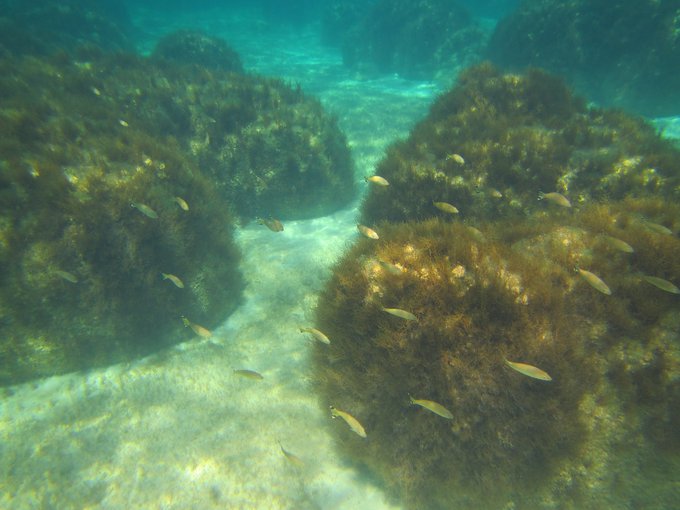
{"type": "Point", "coordinates": [89, 223]}
{"type": "Point", "coordinates": [497, 142]}
{"type": "Point", "coordinates": [192, 47]}
{"type": "Point", "coordinates": [44, 27]}
{"type": "Point", "coordinates": [607, 415]}
{"type": "Point", "coordinates": [414, 39]}
{"type": "Point", "coordinates": [622, 54]}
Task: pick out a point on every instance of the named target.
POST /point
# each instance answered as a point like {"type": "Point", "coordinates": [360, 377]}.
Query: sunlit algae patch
{"type": "Point", "coordinates": [89, 221]}
{"type": "Point", "coordinates": [555, 393]}
{"type": "Point", "coordinates": [519, 136]}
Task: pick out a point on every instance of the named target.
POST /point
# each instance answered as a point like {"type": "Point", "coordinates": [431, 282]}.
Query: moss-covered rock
{"type": "Point", "coordinates": [82, 282]}
{"type": "Point", "coordinates": [601, 434]}
{"type": "Point", "coordinates": [191, 47]}
{"type": "Point", "coordinates": [495, 141]}
{"type": "Point", "coordinates": [618, 53]}
{"type": "Point", "coordinates": [269, 149]}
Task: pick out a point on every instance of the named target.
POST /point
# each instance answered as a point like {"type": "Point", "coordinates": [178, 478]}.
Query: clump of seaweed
{"type": "Point", "coordinates": [192, 47]}
{"type": "Point", "coordinates": [624, 58]}
{"type": "Point", "coordinates": [509, 291]}
{"type": "Point", "coordinates": [495, 141]}
{"type": "Point", "coordinates": [82, 271]}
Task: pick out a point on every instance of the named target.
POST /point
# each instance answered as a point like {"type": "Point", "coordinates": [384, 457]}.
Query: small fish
{"type": "Point", "coordinates": [595, 281]}
{"type": "Point", "coordinates": [376, 179]}
{"type": "Point", "coordinates": [174, 279]}
{"type": "Point", "coordinates": [316, 334]}
{"type": "Point", "coordinates": [446, 207]}
{"type": "Point", "coordinates": [662, 284]}
{"type": "Point", "coordinates": [494, 193]}
{"type": "Point", "coordinates": [181, 203]}
{"type": "Point", "coordinates": [402, 314]}
{"type": "Point", "coordinates": [457, 158]}
{"type": "Point", "coordinates": [390, 268]}
{"type": "Point", "coordinates": [69, 277]}
{"type": "Point", "coordinates": [555, 198]}
{"type": "Point", "coordinates": [657, 228]}
{"type": "Point", "coordinates": [435, 407]}
{"type": "Point", "coordinates": [350, 420]}
{"type": "Point", "coordinates": [96, 91]}
{"type": "Point", "coordinates": [529, 370]}
{"type": "Point", "coordinates": [272, 224]}
{"type": "Point", "coordinates": [145, 210]}
{"type": "Point", "coordinates": [291, 457]}
{"type": "Point", "coordinates": [477, 234]}
{"type": "Point", "coordinates": [367, 232]}
{"type": "Point", "coordinates": [248, 374]}
{"type": "Point", "coordinates": [199, 330]}
{"type": "Point", "coordinates": [618, 244]}
{"type": "Point", "coordinates": [123, 123]}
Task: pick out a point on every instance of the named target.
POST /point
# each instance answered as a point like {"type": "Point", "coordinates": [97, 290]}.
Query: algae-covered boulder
{"type": "Point", "coordinates": [94, 209]}
{"type": "Point", "coordinates": [193, 47]}
{"type": "Point", "coordinates": [414, 39]}
{"type": "Point", "coordinates": [493, 143]}
{"type": "Point", "coordinates": [617, 53]}
{"type": "Point", "coordinates": [510, 291]}
{"type": "Point", "coordinates": [269, 149]}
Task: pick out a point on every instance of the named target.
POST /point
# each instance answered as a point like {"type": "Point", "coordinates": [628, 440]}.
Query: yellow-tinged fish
{"type": "Point", "coordinates": [594, 281]}
{"type": "Point", "coordinates": [145, 210]}
{"type": "Point", "coordinates": [477, 234]}
{"type": "Point", "coordinates": [248, 374]}
{"type": "Point", "coordinates": [529, 370]}
{"type": "Point", "coordinates": [367, 232]}
{"type": "Point", "coordinates": [402, 314]}
{"type": "Point", "coordinates": [272, 224]}
{"type": "Point", "coordinates": [174, 279]}
{"type": "Point", "coordinates": [555, 198]}
{"type": "Point", "coordinates": [376, 179]}
{"type": "Point", "coordinates": [181, 203]}
{"type": "Point", "coordinates": [316, 334]}
{"type": "Point", "coordinates": [618, 244]}
{"type": "Point", "coordinates": [350, 420]}
{"type": "Point", "coordinates": [657, 228]}
{"type": "Point", "coordinates": [199, 330]}
{"type": "Point", "coordinates": [662, 284]}
{"type": "Point", "coordinates": [494, 193]}
{"type": "Point", "coordinates": [457, 158]}
{"type": "Point", "coordinates": [446, 207]}
{"type": "Point", "coordinates": [390, 268]}
{"type": "Point", "coordinates": [65, 275]}
{"type": "Point", "coordinates": [291, 457]}
{"type": "Point", "coordinates": [432, 406]}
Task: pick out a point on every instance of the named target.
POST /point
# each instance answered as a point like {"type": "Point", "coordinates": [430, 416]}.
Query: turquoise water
{"type": "Point", "coordinates": [179, 429]}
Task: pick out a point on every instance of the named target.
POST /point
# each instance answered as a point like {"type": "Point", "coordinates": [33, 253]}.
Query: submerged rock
{"type": "Point", "coordinates": [495, 143]}
{"type": "Point", "coordinates": [623, 54]}
{"type": "Point", "coordinates": [605, 410]}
